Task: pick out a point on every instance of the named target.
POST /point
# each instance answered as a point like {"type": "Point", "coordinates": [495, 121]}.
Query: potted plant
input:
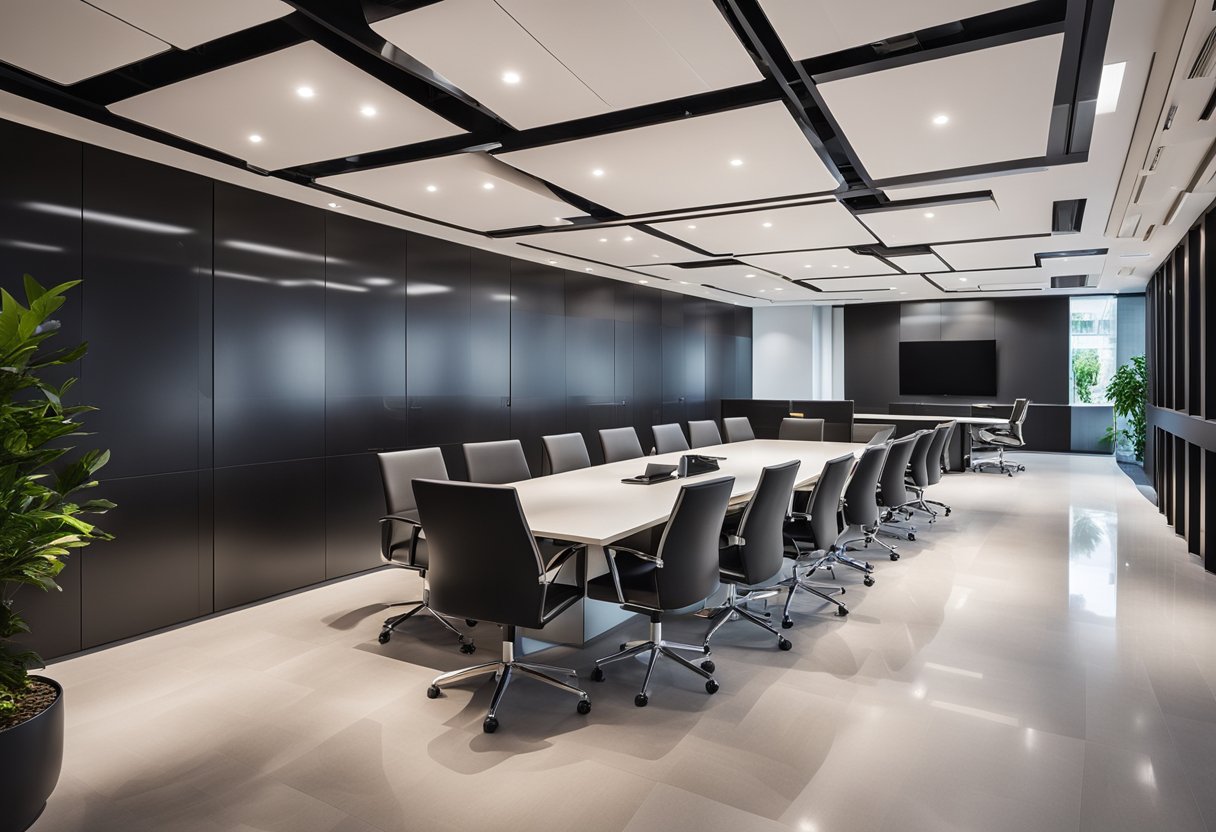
{"type": "Point", "coordinates": [1128, 393]}
{"type": "Point", "coordinates": [39, 525]}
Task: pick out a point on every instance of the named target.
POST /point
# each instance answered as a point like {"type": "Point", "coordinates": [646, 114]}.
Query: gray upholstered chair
{"type": "Point", "coordinates": [738, 429]}
{"type": "Point", "coordinates": [496, 463]}
{"type": "Point", "coordinates": [998, 438]}
{"type": "Point", "coordinates": [564, 452]}
{"type": "Point", "coordinates": [807, 430]}
{"type": "Point", "coordinates": [669, 438]}
{"type": "Point", "coordinates": [620, 444]}
{"type": "Point", "coordinates": [702, 434]}
{"type": "Point", "coordinates": [872, 434]}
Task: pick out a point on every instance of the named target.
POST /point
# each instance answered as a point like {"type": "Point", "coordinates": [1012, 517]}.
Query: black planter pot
{"type": "Point", "coordinates": [31, 755]}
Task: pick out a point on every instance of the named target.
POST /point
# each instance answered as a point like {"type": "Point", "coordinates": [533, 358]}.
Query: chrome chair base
{"type": "Point", "coordinates": [656, 646]}
{"type": "Point", "coordinates": [735, 608]}
{"type": "Point", "coordinates": [998, 463]}
{"type": "Point", "coordinates": [391, 624]}
{"type": "Point", "coordinates": [505, 670]}
{"type": "Point", "coordinates": [796, 582]}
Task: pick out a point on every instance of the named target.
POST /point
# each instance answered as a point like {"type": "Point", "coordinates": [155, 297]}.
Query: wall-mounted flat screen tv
{"type": "Point", "coordinates": [947, 368]}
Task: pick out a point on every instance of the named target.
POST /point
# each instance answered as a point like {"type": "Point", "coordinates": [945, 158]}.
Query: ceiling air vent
{"type": "Point", "coordinates": [1066, 216]}
{"type": "Point", "coordinates": [1131, 224]}
{"type": "Point", "coordinates": [1127, 271]}
{"type": "Point", "coordinates": [1069, 281]}
{"type": "Point", "coordinates": [1152, 166]}
{"type": "Point", "coordinates": [1169, 117]}
{"type": "Point", "coordinates": [1206, 58]}
{"type": "Point", "coordinates": [1148, 235]}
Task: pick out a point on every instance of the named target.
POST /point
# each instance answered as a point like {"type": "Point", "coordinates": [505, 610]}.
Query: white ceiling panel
{"type": "Point", "coordinates": [685, 163]}
{"type": "Point", "coordinates": [919, 263]}
{"type": "Point", "coordinates": [993, 278]}
{"type": "Point", "coordinates": [454, 189]}
{"type": "Point", "coordinates": [67, 41]}
{"type": "Point", "coordinates": [996, 103]}
{"type": "Point", "coordinates": [620, 246]}
{"type": "Point", "coordinates": [828, 263]}
{"type": "Point", "coordinates": [261, 97]}
{"type": "Point", "coordinates": [822, 225]}
{"type": "Point", "coordinates": [746, 280]}
{"type": "Point", "coordinates": [891, 284]}
{"type": "Point", "coordinates": [1007, 253]}
{"type": "Point", "coordinates": [973, 220]}
{"type": "Point", "coordinates": [819, 27]}
{"type": "Point", "coordinates": [187, 23]}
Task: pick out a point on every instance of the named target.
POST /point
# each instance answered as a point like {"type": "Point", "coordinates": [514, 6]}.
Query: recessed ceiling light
{"type": "Point", "coordinates": [903, 293]}
{"type": "Point", "coordinates": [684, 283]}
{"type": "Point", "coordinates": [962, 280]}
{"type": "Point", "coordinates": [305, 92]}
{"type": "Point", "coordinates": [655, 256]}
{"type": "Point", "coordinates": [692, 228]}
{"type": "Point", "coordinates": [892, 288]}
{"type": "Point", "coordinates": [941, 119]}
{"type": "Point", "coordinates": [929, 215]}
{"type": "Point", "coordinates": [597, 172]}
{"type": "Point", "coordinates": [552, 262]}
{"type": "Point", "coordinates": [643, 281]}
{"type": "Point", "coordinates": [844, 267]}
{"type": "Point", "coordinates": [834, 266]}
{"type": "Point", "coordinates": [736, 162]}
{"type": "Point", "coordinates": [1109, 86]}
{"type": "Point", "coordinates": [334, 205]}
{"type": "Point", "coordinates": [628, 239]}
{"type": "Point", "coordinates": [588, 269]}
{"type": "Point", "coordinates": [749, 275]}
{"type": "Point", "coordinates": [367, 110]}
{"type": "Point", "coordinates": [432, 188]}
{"type": "Point", "coordinates": [779, 289]}
{"type": "Point", "coordinates": [767, 225]}
{"type": "Point", "coordinates": [489, 186]}
{"type": "Point", "coordinates": [603, 239]}
{"type": "Point", "coordinates": [808, 266]}
{"type": "Point", "coordinates": [764, 290]}
{"type": "Point", "coordinates": [255, 138]}
{"type": "Point", "coordinates": [510, 77]}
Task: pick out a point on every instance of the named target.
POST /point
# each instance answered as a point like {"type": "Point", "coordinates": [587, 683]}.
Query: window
{"type": "Point", "coordinates": [1092, 348]}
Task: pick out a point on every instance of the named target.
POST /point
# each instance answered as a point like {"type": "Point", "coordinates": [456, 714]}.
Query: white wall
{"type": "Point", "coordinates": [792, 352]}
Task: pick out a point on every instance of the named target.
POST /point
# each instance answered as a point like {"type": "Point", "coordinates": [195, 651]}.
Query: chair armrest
{"type": "Point", "coordinates": [558, 560]}
{"type": "Point", "coordinates": [611, 550]}
{"type": "Point", "coordinates": [386, 533]}
{"type": "Point", "coordinates": [735, 540]}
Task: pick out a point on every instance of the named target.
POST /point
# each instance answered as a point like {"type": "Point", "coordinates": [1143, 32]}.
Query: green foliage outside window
{"type": "Point", "coordinates": [1086, 369]}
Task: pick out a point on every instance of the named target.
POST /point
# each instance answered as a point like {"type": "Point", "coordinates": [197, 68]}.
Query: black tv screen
{"type": "Point", "coordinates": [947, 368]}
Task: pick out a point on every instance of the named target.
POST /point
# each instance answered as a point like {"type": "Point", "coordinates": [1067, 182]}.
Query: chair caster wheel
{"type": "Point", "coordinates": [784, 643]}
{"type": "Point", "coordinates": [470, 622]}
{"type": "Point", "coordinates": [947, 512]}
{"type": "Point", "coordinates": [787, 622]}
{"type": "Point", "coordinates": [467, 647]}
{"type": "Point", "coordinates": [584, 706]}
{"type": "Point", "coordinates": [623, 645]}
{"type": "Point", "coordinates": [911, 535]}
{"type": "Point", "coordinates": [868, 581]}
{"type": "Point", "coordinates": [843, 590]}
{"type": "Point", "coordinates": [384, 637]}
{"type": "Point", "coordinates": [842, 611]}
{"type": "Point", "coordinates": [711, 686]}
{"type": "Point", "coordinates": [597, 675]}
{"type": "Point", "coordinates": [432, 692]}
{"type": "Point", "coordinates": [490, 724]}
{"type": "Point", "coordinates": [708, 666]}
{"type": "Point", "coordinates": [641, 700]}
{"type": "Point", "coordinates": [895, 555]}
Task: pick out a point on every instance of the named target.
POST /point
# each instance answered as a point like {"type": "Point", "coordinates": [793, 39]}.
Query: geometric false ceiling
{"type": "Point", "coordinates": [819, 225]}
{"type": "Point", "coordinates": [828, 264]}
{"type": "Point", "coordinates": [186, 24]}
{"type": "Point", "coordinates": [622, 245]}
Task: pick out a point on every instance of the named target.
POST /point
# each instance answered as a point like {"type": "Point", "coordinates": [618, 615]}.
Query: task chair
{"type": "Point", "coordinates": [496, 463]}
{"type": "Point", "coordinates": [678, 577]}
{"type": "Point", "coordinates": [564, 452]}
{"type": "Point", "coordinates": [872, 434]}
{"type": "Point", "coordinates": [738, 429]}
{"type": "Point", "coordinates": [860, 512]}
{"type": "Point", "coordinates": [485, 564]}
{"type": "Point", "coordinates": [806, 430]}
{"type": "Point", "coordinates": [669, 438]}
{"type": "Point", "coordinates": [402, 542]}
{"type": "Point", "coordinates": [619, 444]}
{"type": "Point", "coordinates": [818, 527]}
{"type": "Point", "coordinates": [893, 493]}
{"type": "Point", "coordinates": [752, 552]}
{"type": "Point", "coordinates": [926, 470]}
{"type": "Point", "coordinates": [702, 434]}
{"type": "Point", "coordinates": [998, 438]}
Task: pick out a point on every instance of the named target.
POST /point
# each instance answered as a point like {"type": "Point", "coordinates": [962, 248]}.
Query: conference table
{"type": "Point", "coordinates": [592, 506]}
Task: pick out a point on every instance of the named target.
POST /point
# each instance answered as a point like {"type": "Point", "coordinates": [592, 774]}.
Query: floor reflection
{"type": "Point", "coordinates": [1093, 560]}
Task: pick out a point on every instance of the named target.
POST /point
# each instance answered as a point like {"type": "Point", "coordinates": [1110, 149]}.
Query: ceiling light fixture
{"type": "Point", "coordinates": [588, 269]}
{"type": "Point", "coordinates": [628, 239]}
{"type": "Point", "coordinates": [749, 275]}
{"type": "Point", "coordinates": [684, 283]}
{"type": "Point", "coordinates": [334, 205]}
{"type": "Point", "coordinates": [929, 215]}
{"type": "Point", "coordinates": [941, 119]}
{"type": "Point", "coordinates": [510, 77]}
{"type": "Point", "coordinates": [962, 280]}
{"type": "Point", "coordinates": [255, 138]}
{"type": "Point", "coordinates": [779, 289]}
{"type": "Point", "coordinates": [1109, 87]}
{"type": "Point", "coordinates": [767, 225]}
{"type": "Point", "coordinates": [655, 256]}
{"type": "Point", "coordinates": [692, 228]}
{"type": "Point", "coordinates": [367, 110]}
{"type": "Point", "coordinates": [603, 239]}
{"type": "Point", "coordinates": [597, 172]}
{"type": "Point", "coordinates": [736, 163]}
{"type": "Point", "coordinates": [643, 281]}
{"type": "Point", "coordinates": [488, 186]}
{"type": "Point", "coordinates": [305, 92]}
{"type": "Point", "coordinates": [552, 262]}
{"type": "Point", "coordinates": [431, 188]}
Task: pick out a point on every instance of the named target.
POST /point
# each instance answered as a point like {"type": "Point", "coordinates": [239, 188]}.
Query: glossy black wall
{"type": "Point", "coordinates": [251, 355]}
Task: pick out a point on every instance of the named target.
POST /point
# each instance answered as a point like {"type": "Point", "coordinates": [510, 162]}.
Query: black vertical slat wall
{"type": "Point", "coordinates": [1180, 452]}
{"type": "Point", "coordinates": [250, 355]}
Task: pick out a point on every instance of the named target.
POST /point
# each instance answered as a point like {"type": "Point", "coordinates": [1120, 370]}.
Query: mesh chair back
{"type": "Point", "coordinates": [564, 452]}
{"type": "Point", "coordinates": [738, 429]}
{"type": "Point", "coordinates": [872, 434]}
{"type": "Point", "coordinates": [824, 507]}
{"type": "Point", "coordinates": [891, 484]}
{"type": "Point", "coordinates": [763, 524]}
{"type": "Point", "coordinates": [919, 461]}
{"type": "Point", "coordinates": [484, 563]}
{"type": "Point", "coordinates": [703, 434]}
{"type": "Point", "coordinates": [1017, 417]}
{"type": "Point", "coordinates": [861, 495]}
{"type": "Point", "coordinates": [937, 451]}
{"type": "Point", "coordinates": [689, 545]}
{"type": "Point", "coordinates": [807, 430]}
{"type": "Point", "coordinates": [669, 438]}
{"type": "Point", "coordinates": [494, 463]}
{"type": "Point", "coordinates": [619, 444]}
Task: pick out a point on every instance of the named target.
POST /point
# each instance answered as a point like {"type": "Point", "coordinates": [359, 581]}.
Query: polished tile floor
{"type": "Point", "coordinates": [1043, 659]}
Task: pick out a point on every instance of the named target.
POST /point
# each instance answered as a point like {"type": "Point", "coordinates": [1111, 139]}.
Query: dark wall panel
{"type": "Point", "coordinates": [647, 363]}
{"type": "Point", "coordinates": [591, 399]}
{"type": "Point", "coordinates": [538, 361]}
{"type": "Point", "coordinates": [871, 354]}
{"type": "Point", "coordinates": [269, 328]}
{"type": "Point", "coordinates": [1032, 349]}
{"type": "Point", "coordinates": [354, 504]}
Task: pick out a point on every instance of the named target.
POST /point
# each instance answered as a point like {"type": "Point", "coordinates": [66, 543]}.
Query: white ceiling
{"type": "Point", "coordinates": [222, 109]}
{"type": "Point", "coordinates": [1005, 253]}
{"type": "Point", "coordinates": [887, 285]}
{"type": "Point", "coordinates": [747, 280]}
{"type": "Point", "coordinates": [67, 41]}
{"type": "Point", "coordinates": [686, 163]}
{"type": "Point", "coordinates": [820, 225]}
{"type": "Point", "coordinates": [620, 246]}
{"type": "Point", "coordinates": [998, 103]}
{"type": "Point", "coordinates": [828, 263]}
{"type": "Point", "coordinates": [958, 221]}
{"type": "Point", "coordinates": [187, 23]}
{"type": "Point", "coordinates": [573, 58]}
{"type": "Point", "coordinates": [818, 27]}
{"type": "Point", "coordinates": [453, 189]}
{"type": "Point", "coordinates": [922, 263]}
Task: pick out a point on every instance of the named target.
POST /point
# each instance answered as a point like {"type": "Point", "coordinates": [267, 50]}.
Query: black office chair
{"type": "Point", "coordinates": [738, 429]}
{"type": "Point", "coordinates": [806, 430]}
{"type": "Point", "coordinates": [402, 543]}
{"type": "Point", "coordinates": [752, 552]}
{"type": "Point", "coordinates": [872, 434]}
{"type": "Point", "coordinates": [860, 510]}
{"type": "Point", "coordinates": [818, 528]}
{"type": "Point", "coordinates": [678, 577]}
{"type": "Point", "coordinates": [564, 452]}
{"type": "Point", "coordinates": [926, 470]}
{"type": "Point", "coordinates": [485, 564]}
{"type": "Point", "coordinates": [496, 463]}
{"type": "Point", "coordinates": [893, 493]}
{"type": "Point", "coordinates": [998, 438]}
{"type": "Point", "coordinates": [669, 438]}
{"type": "Point", "coordinates": [620, 444]}
{"type": "Point", "coordinates": [704, 433]}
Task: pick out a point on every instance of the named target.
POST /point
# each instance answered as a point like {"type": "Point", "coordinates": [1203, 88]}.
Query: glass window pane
{"type": "Point", "coordinates": [1092, 347]}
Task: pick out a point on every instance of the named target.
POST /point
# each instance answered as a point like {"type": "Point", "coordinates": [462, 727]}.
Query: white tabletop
{"type": "Point", "coordinates": [920, 417]}
{"type": "Point", "coordinates": [592, 505]}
